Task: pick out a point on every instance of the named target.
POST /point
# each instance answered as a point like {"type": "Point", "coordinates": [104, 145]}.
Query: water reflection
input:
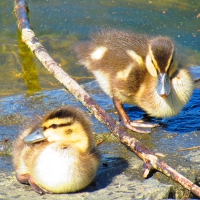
{"type": "Point", "coordinates": [29, 70]}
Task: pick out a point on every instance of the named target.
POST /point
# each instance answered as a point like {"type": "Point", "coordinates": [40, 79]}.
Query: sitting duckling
{"type": "Point", "coordinates": [61, 157]}
{"type": "Point", "coordinates": [135, 69]}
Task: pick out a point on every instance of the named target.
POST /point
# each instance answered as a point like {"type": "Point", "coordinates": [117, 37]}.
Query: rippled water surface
{"type": "Point", "coordinates": [58, 24]}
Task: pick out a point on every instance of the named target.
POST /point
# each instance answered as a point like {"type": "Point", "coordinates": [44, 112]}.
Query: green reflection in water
{"type": "Point", "coordinates": [29, 70]}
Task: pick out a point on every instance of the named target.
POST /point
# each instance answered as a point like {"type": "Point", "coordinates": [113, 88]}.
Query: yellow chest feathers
{"type": "Point", "coordinates": [64, 170]}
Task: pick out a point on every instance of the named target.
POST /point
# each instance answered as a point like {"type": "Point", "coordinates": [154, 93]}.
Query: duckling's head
{"type": "Point", "coordinates": [161, 63]}
{"type": "Point", "coordinates": [65, 126]}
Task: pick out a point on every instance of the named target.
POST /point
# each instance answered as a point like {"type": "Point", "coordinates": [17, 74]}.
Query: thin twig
{"type": "Point", "coordinates": [190, 148]}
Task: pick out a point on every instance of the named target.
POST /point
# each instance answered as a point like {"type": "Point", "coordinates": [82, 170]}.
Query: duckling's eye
{"type": "Point", "coordinates": [44, 128]}
{"type": "Point", "coordinates": [69, 131]}
{"type": "Point", "coordinates": [54, 126]}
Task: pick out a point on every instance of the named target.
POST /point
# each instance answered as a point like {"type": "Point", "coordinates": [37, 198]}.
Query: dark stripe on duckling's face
{"type": "Point", "coordinates": [65, 117]}
{"type": "Point", "coordinates": [162, 52]}
{"type": "Point", "coordinates": [60, 118]}
{"type": "Point", "coordinates": [54, 126]}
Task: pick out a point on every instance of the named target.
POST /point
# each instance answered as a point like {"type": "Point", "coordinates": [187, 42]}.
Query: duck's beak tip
{"type": "Point", "coordinates": [164, 96]}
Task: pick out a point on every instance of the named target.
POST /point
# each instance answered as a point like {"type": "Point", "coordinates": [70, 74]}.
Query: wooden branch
{"type": "Point", "coordinates": [150, 160]}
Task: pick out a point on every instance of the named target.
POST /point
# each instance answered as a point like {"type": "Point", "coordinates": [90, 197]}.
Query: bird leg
{"type": "Point", "coordinates": [35, 187]}
{"type": "Point", "coordinates": [139, 126]}
{"type": "Point", "coordinates": [27, 179]}
{"type": "Point", "coordinates": [22, 178]}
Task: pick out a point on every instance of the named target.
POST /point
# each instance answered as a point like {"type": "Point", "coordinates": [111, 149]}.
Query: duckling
{"type": "Point", "coordinates": [136, 69]}
{"type": "Point", "coordinates": [57, 155]}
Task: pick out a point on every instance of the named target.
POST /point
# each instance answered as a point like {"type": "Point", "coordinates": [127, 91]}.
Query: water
{"type": "Point", "coordinates": [58, 24]}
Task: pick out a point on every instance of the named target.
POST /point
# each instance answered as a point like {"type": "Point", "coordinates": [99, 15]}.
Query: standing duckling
{"type": "Point", "coordinates": [60, 157]}
{"type": "Point", "coordinates": [135, 69]}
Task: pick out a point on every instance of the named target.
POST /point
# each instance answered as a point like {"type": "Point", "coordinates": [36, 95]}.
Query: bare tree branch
{"type": "Point", "coordinates": [150, 160]}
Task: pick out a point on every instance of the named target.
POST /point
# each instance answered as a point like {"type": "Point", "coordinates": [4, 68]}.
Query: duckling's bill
{"type": "Point", "coordinates": [34, 137]}
{"type": "Point", "coordinates": [163, 85]}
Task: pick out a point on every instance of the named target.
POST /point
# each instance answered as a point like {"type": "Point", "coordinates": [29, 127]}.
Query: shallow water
{"type": "Point", "coordinates": [20, 111]}
{"type": "Point", "coordinates": [58, 24]}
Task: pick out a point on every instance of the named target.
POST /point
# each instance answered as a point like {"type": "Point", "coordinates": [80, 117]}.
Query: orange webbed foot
{"type": "Point", "coordinates": [140, 126]}
{"type": "Point", "coordinates": [131, 125]}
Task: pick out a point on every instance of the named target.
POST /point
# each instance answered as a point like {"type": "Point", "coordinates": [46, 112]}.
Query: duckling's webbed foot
{"type": "Point", "coordinates": [22, 178]}
{"type": "Point", "coordinates": [26, 179]}
{"type": "Point", "coordinates": [144, 126]}
{"type": "Point", "coordinates": [139, 126]}
{"type": "Point", "coordinates": [37, 188]}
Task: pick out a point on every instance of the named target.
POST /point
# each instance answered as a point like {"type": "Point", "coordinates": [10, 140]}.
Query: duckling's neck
{"type": "Point", "coordinates": [82, 145]}
{"type": "Point", "coordinates": [156, 106]}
